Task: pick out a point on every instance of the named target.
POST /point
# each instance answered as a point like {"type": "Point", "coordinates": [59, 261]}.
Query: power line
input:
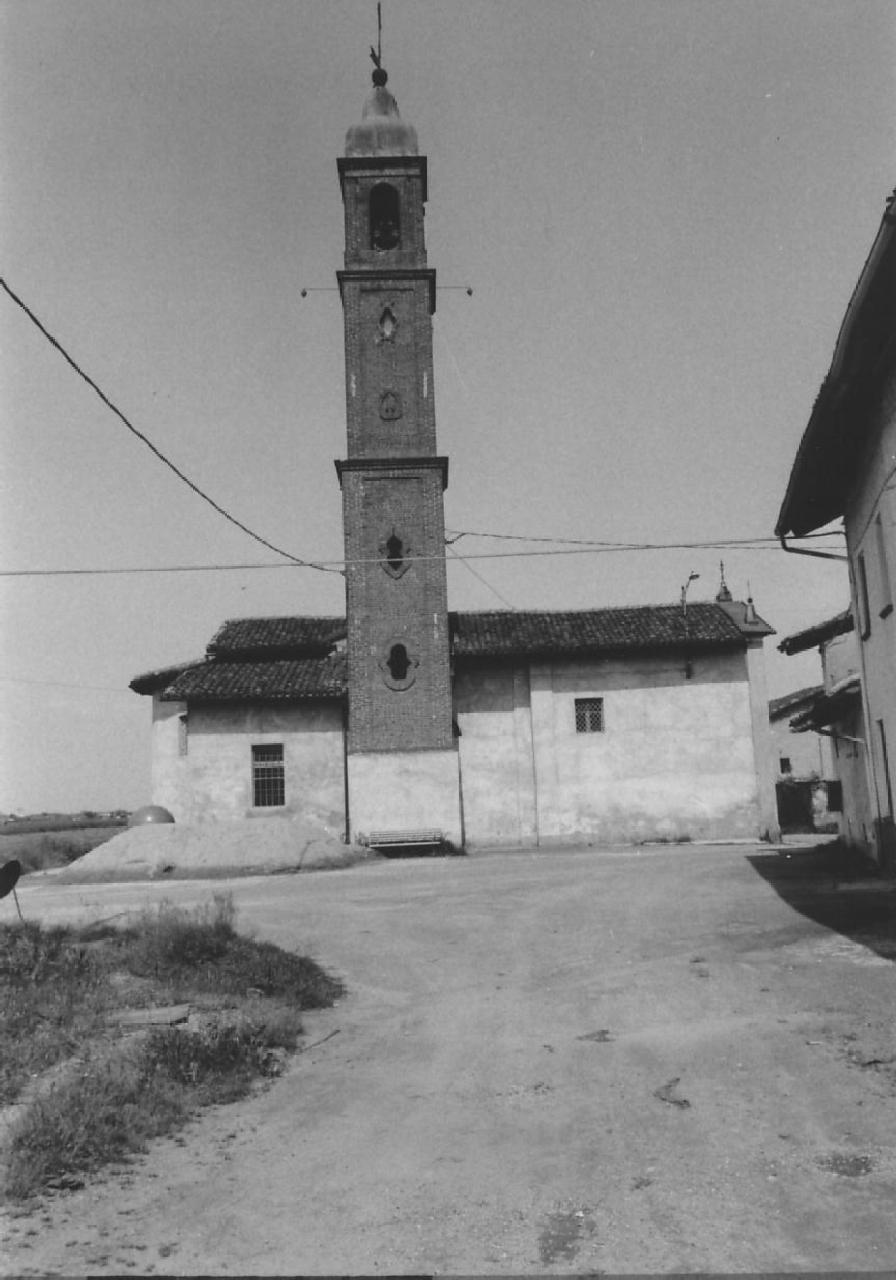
{"type": "Point", "coordinates": [149, 444]}
{"type": "Point", "coordinates": [476, 574]}
{"type": "Point", "coordinates": [337, 565]}
{"type": "Point", "coordinates": [61, 684]}
{"type": "Point", "coordinates": [592, 542]}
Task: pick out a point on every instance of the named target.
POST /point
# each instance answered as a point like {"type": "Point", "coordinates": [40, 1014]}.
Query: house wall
{"type": "Point", "coordinates": [870, 520]}
{"type": "Point", "coordinates": [810, 755]}
{"type": "Point", "coordinates": [840, 659]}
{"type": "Point", "coordinates": [213, 780]}
{"type": "Point", "coordinates": [677, 758]}
{"type": "Point", "coordinates": [856, 822]}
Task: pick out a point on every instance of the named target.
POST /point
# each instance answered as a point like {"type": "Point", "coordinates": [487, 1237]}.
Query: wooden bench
{"type": "Point", "coordinates": [405, 839]}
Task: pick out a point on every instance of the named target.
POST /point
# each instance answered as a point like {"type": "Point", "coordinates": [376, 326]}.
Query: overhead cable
{"type": "Point", "coordinates": [307, 564]}
{"type": "Point", "coordinates": [336, 565]}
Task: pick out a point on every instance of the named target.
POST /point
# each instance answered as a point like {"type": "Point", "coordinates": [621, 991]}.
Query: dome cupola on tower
{"type": "Point", "coordinates": [382, 132]}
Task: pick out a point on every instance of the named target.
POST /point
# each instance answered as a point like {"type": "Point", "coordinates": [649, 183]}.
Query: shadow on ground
{"type": "Point", "coordinates": [837, 888]}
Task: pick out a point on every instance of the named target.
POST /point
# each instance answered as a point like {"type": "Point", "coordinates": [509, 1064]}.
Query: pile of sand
{"type": "Point", "coordinates": [237, 847]}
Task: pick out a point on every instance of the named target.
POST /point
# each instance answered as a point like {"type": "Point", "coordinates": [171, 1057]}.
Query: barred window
{"type": "Point", "coordinates": [589, 715]}
{"type": "Point", "coordinates": [268, 779]}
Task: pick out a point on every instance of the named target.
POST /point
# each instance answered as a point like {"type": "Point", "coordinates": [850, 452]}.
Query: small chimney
{"type": "Point", "coordinates": [750, 617]}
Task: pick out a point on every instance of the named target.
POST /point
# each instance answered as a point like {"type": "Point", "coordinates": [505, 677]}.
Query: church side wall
{"type": "Point", "coordinates": [492, 708]}
{"type": "Point", "coordinates": [213, 780]}
{"type": "Point", "coordinates": [675, 759]}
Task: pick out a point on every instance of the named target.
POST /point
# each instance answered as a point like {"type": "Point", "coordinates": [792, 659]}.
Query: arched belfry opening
{"type": "Point", "coordinates": [385, 217]}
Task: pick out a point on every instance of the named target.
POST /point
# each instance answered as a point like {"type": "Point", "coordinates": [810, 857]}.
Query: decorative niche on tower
{"type": "Point", "coordinates": [395, 554]}
{"type": "Point", "coordinates": [387, 326]}
{"type": "Point", "coordinates": [399, 666]}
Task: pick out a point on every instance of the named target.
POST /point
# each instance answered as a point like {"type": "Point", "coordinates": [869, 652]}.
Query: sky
{"type": "Point", "coordinates": [661, 207]}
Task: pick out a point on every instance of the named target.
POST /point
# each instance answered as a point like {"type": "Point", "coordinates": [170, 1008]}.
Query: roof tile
{"type": "Point", "coordinates": [271, 680]}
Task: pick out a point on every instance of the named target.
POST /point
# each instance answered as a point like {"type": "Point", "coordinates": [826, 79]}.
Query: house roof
{"type": "Point", "coordinates": [155, 681]}
{"type": "Point", "coordinates": [269, 637]}
{"type": "Point", "coordinates": [778, 708]}
{"type": "Point", "coordinates": [640, 628]}
{"type": "Point", "coordinates": [829, 708]}
{"type": "Point", "coordinates": [825, 466]}
{"type": "Point", "coordinates": [840, 625]}
{"type": "Point", "coordinates": [294, 658]}
{"type": "Point", "coordinates": [271, 680]}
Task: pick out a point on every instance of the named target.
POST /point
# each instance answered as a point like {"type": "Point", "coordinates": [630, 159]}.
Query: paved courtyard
{"type": "Point", "coordinates": [665, 1059]}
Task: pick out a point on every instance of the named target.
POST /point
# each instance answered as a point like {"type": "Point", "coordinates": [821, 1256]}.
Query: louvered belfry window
{"type": "Point", "coordinates": [268, 777]}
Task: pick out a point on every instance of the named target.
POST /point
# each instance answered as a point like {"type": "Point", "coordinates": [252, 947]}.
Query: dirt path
{"type": "Point", "coordinates": [553, 1062]}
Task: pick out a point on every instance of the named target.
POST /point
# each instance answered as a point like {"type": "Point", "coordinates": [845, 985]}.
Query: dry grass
{"type": "Point", "coordinates": [110, 1092]}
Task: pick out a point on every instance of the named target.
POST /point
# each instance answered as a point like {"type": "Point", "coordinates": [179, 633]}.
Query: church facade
{"type": "Point", "coordinates": [404, 718]}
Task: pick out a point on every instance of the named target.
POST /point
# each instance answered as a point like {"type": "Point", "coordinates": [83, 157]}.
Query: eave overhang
{"type": "Point", "coordinates": [826, 462]}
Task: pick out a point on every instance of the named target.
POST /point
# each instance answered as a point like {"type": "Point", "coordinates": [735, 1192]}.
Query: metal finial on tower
{"type": "Point", "coordinates": [723, 594]}
{"type": "Point", "coordinates": [379, 75]}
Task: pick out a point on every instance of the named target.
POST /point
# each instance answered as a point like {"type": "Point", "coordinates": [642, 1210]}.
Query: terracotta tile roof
{"type": "Point", "coordinates": [829, 708]}
{"type": "Point", "coordinates": [832, 452]}
{"type": "Point", "coordinates": [277, 680]}
{"type": "Point", "coordinates": [293, 658]}
{"type": "Point", "coordinates": [791, 702]}
{"type": "Point", "coordinates": [645, 628]}
{"type": "Point", "coordinates": [291, 636]}
{"type": "Point", "coordinates": [840, 625]}
{"type": "Point", "coordinates": [155, 681]}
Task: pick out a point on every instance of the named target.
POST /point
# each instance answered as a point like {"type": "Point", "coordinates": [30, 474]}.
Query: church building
{"type": "Point", "coordinates": [404, 722]}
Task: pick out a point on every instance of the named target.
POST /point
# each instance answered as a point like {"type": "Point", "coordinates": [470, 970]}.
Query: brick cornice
{"type": "Point", "coordinates": [363, 275]}
{"type": "Point", "coordinates": [433, 463]}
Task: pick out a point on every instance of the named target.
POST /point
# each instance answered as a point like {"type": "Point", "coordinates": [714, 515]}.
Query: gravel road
{"type": "Point", "coordinates": [667, 1059]}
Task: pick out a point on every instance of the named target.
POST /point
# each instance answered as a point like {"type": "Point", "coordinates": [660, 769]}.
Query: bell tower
{"type": "Point", "coordinates": [402, 757]}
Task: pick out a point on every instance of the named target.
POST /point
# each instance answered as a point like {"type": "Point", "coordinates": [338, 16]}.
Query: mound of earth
{"type": "Point", "coordinates": [236, 847]}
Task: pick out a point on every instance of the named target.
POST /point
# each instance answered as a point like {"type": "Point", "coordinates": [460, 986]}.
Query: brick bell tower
{"type": "Point", "coordinates": [402, 756]}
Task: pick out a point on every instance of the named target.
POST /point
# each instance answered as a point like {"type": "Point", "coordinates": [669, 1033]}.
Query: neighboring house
{"type": "Point", "coordinates": [626, 724]}
{"type": "Point", "coordinates": [797, 757]}
{"type": "Point", "coordinates": [845, 468]}
{"type": "Point", "coordinates": [834, 716]}
{"type": "Point", "coordinates": [804, 770]}
{"type": "Point", "coordinates": [403, 719]}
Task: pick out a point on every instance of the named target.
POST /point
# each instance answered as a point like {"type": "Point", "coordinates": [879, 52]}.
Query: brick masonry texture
{"type": "Point", "coordinates": [390, 416]}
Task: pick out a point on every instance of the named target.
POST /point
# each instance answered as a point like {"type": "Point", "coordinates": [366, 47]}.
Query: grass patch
{"type": "Point", "coordinates": [111, 1090]}
{"type": "Point", "coordinates": [46, 850]}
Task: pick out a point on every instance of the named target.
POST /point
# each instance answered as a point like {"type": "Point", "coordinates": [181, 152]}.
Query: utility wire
{"type": "Point", "coordinates": [477, 574]}
{"type": "Point", "coordinates": [149, 444]}
{"type": "Point", "coordinates": [62, 684]}
{"type": "Point", "coordinates": [337, 565]}
{"type": "Point", "coordinates": [590, 542]}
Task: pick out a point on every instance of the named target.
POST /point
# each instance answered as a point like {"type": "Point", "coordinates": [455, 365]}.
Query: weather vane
{"type": "Point", "coordinates": [379, 76]}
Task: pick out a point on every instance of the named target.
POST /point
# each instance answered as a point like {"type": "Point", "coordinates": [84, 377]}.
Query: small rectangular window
{"type": "Point", "coordinates": [835, 797]}
{"type": "Point", "coordinates": [589, 715]}
{"type": "Point", "coordinates": [183, 736]}
{"type": "Point", "coordinates": [786, 766]}
{"type": "Point", "coordinates": [883, 566]}
{"type": "Point", "coordinates": [862, 593]}
{"type": "Point", "coordinates": [268, 776]}
{"type": "Point", "coordinates": [885, 758]}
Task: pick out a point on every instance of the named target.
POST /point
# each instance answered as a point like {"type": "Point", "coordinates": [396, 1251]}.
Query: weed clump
{"type": "Point", "coordinates": [60, 991]}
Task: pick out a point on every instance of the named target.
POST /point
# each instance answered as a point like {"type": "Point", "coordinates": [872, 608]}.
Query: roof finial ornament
{"type": "Point", "coordinates": [723, 595]}
{"type": "Point", "coordinates": [379, 76]}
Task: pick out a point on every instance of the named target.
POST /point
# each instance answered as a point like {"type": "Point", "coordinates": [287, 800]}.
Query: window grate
{"type": "Point", "coordinates": [589, 715]}
{"type": "Point", "coordinates": [268, 776]}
